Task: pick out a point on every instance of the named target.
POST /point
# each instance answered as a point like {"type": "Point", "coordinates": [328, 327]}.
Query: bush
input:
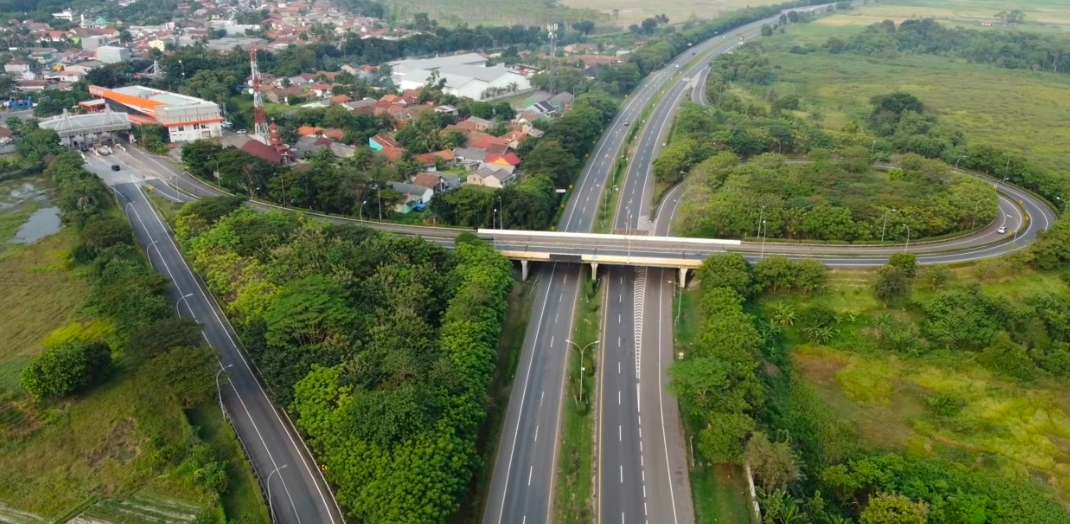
{"type": "Point", "coordinates": [66, 369]}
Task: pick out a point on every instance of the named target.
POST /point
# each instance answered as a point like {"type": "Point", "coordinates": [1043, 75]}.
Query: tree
{"type": "Point", "coordinates": [960, 319]}
{"type": "Point", "coordinates": [583, 26]}
{"type": "Point", "coordinates": [774, 463]}
{"type": "Point", "coordinates": [1005, 356]}
{"type": "Point", "coordinates": [66, 369]}
{"type": "Point", "coordinates": [892, 285]}
{"type": "Point", "coordinates": [892, 508]}
{"type": "Point", "coordinates": [729, 270]}
{"type": "Point", "coordinates": [549, 158]}
{"type": "Point", "coordinates": [907, 262]}
{"type": "Point", "coordinates": [37, 145]}
{"type": "Point", "coordinates": [1052, 251]}
{"type": "Point", "coordinates": [721, 441]}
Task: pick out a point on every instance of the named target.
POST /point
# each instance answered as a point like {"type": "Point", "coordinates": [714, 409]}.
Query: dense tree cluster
{"type": "Point", "coordinates": [719, 383]}
{"type": "Point", "coordinates": [1013, 50]}
{"type": "Point", "coordinates": [382, 346]}
{"type": "Point", "coordinates": [829, 198]}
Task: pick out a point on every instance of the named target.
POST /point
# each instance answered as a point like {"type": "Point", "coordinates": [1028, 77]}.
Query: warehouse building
{"type": "Point", "coordinates": [466, 75]}
{"type": "Point", "coordinates": [185, 117]}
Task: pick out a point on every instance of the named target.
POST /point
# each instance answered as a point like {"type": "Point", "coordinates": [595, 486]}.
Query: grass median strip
{"type": "Point", "coordinates": [575, 466]}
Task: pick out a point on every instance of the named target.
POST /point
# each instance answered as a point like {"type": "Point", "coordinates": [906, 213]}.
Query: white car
{"type": "Point", "coordinates": [1002, 230]}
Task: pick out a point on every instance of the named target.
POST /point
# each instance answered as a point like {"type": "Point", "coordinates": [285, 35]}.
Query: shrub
{"type": "Point", "coordinates": [66, 369]}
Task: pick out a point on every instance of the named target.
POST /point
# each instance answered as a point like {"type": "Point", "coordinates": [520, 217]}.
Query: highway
{"type": "Point", "coordinates": [642, 472]}
{"type": "Point", "coordinates": [296, 490]}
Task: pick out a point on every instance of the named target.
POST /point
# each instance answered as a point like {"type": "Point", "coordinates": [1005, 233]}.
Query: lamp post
{"type": "Point", "coordinates": [907, 245]}
{"type": "Point", "coordinates": [885, 224]}
{"type": "Point", "coordinates": [764, 231]}
{"type": "Point", "coordinates": [218, 391]}
{"type": "Point", "coordinates": [271, 506]}
{"type": "Point", "coordinates": [761, 220]}
{"type": "Point", "coordinates": [501, 213]}
{"type": "Point", "coordinates": [582, 350]}
{"type": "Point", "coordinates": [360, 210]}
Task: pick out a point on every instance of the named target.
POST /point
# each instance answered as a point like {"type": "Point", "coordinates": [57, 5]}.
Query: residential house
{"type": "Point", "coordinates": [433, 158]}
{"type": "Point", "coordinates": [332, 133]}
{"type": "Point", "coordinates": [469, 156]}
{"type": "Point", "coordinates": [495, 176]}
{"type": "Point", "coordinates": [416, 197]}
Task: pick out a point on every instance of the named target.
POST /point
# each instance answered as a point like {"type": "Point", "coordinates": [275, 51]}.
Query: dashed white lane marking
{"type": "Point", "coordinates": [536, 433]}
{"type": "Point", "coordinates": [618, 397]}
{"type": "Point", "coordinates": [622, 473]}
{"type": "Point", "coordinates": [557, 316]}
{"type": "Point", "coordinates": [551, 341]}
{"type": "Point", "coordinates": [541, 395]}
{"type": "Point", "coordinates": [620, 433]}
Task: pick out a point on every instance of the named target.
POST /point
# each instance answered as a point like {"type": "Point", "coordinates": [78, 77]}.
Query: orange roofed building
{"type": "Point", "coordinates": [185, 117]}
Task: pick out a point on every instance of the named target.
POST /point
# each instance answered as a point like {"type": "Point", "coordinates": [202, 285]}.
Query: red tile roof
{"type": "Point", "coordinates": [262, 151]}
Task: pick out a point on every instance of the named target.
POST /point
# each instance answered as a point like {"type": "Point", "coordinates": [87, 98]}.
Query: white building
{"type": "Point", "coordinates": [185, 117]}
{"type": "Point", "coordinates": [466, 75]}
{"type": "Point", "coordinates": [110, 54]}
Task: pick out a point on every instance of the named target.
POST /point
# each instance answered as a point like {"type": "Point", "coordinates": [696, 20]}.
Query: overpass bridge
{"type": "Point", "coordinates": [594, 249]}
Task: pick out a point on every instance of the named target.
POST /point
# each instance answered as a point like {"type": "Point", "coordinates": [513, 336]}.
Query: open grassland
{"type": "Point", "coordinates": [37, 294]}
{"type": "Point", "coordinates": [498, 12]}
{"type": "Point", "coordinates": [1040, 15]}
{"type": "Point", "coordinates": [120, 452]}
{"type": "Point", "coordinates": [1022, 111]}
{"type": "Point", "coordinates": [626, 12]}
{"type": "Point", "coordinates": [940, 404]}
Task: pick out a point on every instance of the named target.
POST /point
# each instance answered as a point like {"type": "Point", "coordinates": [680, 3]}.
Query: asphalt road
{"type": "Point", "coordinates": [642, 475]}
{"type": "Point", "coordinates": [297, 491]}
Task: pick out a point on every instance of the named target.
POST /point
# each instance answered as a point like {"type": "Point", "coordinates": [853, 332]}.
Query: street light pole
{"type": "Point", "coordinates": [501, 213]}
{"type": "Point", "coordinates": [885, 224]}
{"type": "Point", "coordinates": [271, 507]}
{"type": "Point", "coordinates": [761, 220]}
{"type": "Point", "coordinates": [582, 350]}
{"type": "Point", "coordinates": [907, 245]}
{"type": "Point", "coordinates": [764, 232]}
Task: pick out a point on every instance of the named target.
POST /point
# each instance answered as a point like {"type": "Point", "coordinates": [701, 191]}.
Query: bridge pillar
{"type": "Point", "coordinates": [523, 270]}
{"type": "Point", "coordinates": [594, 271]}
{"type": "Point", "coordinates": [683, 277]}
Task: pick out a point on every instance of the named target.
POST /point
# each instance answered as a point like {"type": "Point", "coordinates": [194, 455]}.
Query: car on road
{"type": "Point", "coordinates": [115, 167]}
{"type": "Point", "coordinates": [1002, 230]}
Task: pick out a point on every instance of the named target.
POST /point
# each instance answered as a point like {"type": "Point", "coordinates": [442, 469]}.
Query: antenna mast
{"type": "Point", "coordinates": [260, 132]}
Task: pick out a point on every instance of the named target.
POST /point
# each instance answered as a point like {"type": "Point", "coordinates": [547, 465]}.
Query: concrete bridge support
{"type": "Point", "coordinates": [594, 271]}
{"type": "Point", "coordinates": [523, 270]}
{"type": "Point", "coordinates": [683, 277]}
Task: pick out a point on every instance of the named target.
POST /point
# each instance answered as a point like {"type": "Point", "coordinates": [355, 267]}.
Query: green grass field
{"type": "Point", "coordinates": [1014, 428]}
{"type": "Point", "coordinates": [92, 454]}
{"type": "Point", "coordinates": [1040, 15]}
{"type": "Point", "coordinates": [626, 12]}
{"type": "Point", "coordinates": [501, 12]}
{"type": "Point", "coordinates": [1022, 111]}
